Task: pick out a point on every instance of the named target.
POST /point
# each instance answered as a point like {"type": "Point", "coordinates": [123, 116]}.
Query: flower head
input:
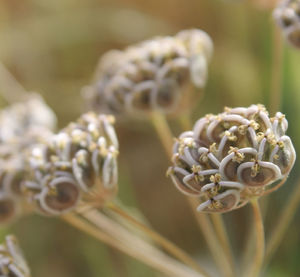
{"type": "Point", "coordinates": [22, 125]}
{"type": "Point", "coordinates": [151, 75]}
{"type": "Point", "coordinates": [12, 262]}
{"type": "Point", "coordinates": [287, 16]}
{"type": "Point", "coordinates": [74, 164]}
{"type": "Point", "coordinates": [231, 157]}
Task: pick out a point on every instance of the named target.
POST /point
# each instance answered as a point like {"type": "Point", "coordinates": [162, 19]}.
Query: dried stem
{"type": "Point", "coordinates": [255, 267]}
{"type": "Point", "coordinates": [156, 237]}
{"type": "Point", "coordinates": [163, 130]}
{"type": "Point", "coordinates": [10, 89]}
{"type": "Point", "coordinates": [283, 223]}
{"type": "Point", "coordinates": [137, 247]}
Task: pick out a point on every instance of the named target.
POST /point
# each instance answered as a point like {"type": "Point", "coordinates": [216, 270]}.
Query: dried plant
{"type": "Point", "coordinates": [151, 75]}
{"type": "Point", "coordinates": [287, 16]}
{"type": "Point", "coordinates": [12, 262]}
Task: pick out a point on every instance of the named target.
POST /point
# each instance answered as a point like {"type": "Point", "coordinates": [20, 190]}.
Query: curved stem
{"type": "Point", "coordinates": [166, 244]}
{"type": "Point", "coordinates": [137, 247]}
{"type": "Point", "coordinates": [255, 267]}
{"type": "Point", "coordinates": [283, 223]}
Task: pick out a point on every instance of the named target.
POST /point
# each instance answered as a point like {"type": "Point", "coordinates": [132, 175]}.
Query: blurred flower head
{"type": "Point", "coordinates": [12, 262]}
{"type": "Point", "coordinates": [151, 75]}
{"type": "Point", "coordinates": [22, 125]}
{"type": "Point", "coordinates": [287, 16]}
{"type": "Point", "coordinates": [231, 157]}
{"type": "Point", "coordinates": [75, 165]}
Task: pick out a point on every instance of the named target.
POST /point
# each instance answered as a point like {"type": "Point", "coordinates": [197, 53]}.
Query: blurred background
{"type": "Point", "coordinates": [52, 47]}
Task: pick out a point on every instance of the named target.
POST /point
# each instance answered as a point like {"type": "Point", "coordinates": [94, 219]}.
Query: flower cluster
{"type": "Point", "coordinates": [12, 262]}
{"type": "Point", "coordinates": [287, 15]}
{"type": "Point", "coordinates": [231, 157]}
{"type": "Point", "coordinates": [74, 164]}
{"type": "Point", "coordinates": [151, 75]}
{"type": "Point", "coordinates": [22, 125]}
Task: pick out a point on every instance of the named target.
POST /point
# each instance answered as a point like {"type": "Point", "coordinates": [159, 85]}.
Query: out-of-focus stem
{"type": "Point", "coordinates": [137, 247]}
{"type": "Point", "coordinates": [276, 71]}
{"type": "Point", "coordinates": [163, 130]}
{"type": "Point", "coordinates": [156, 237]}
{"type": "Point", "coordinates": [283, 223]}
{"type": "Point", "coordinates": [255, 267]}
{"type": "Point", "coordinates": [10, 89]}
{"type": "Point", "coordinates": [217, 219]}
{"type": "Point", "coordinates": [222, 234]}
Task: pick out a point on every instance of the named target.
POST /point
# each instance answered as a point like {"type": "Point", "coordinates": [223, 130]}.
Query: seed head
{"type": "Point", "coordinates": [287, 16]}
{"type": "Point", "coordinates": [151, 75]}
{"type": "Point", "coordinates": [12, 262]}
{"type": "Point", "coordinates": [79, 161]}
{"type": "Point", "coordinates": [229, 158]}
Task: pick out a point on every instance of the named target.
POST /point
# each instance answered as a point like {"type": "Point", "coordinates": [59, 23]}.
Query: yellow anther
{"type": "Point", "coordinates": [230, 136]}
{"type": "Point", "coordinates": [213, 148]}
{"type": "Point", "coordinates": [255, 169]}
{"type": "Point", "coordinates": [215, 178]}
{"type": "Point", "coordinates": [243, 129]}
{"type": "Point", "coordinates": [260, 136]}
{"type": "Point", "coordinates": [254, 125]}
{"type": "Point", "coordinates": [280, 144]}
{"type": "Point", "coordinates": [196, 168]}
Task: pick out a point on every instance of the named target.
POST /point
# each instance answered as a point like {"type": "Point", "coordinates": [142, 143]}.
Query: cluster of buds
{"type": "Point", "coordinates": [22, 125]}
{"type": "Point", "coordinates": [76, 164]}
{"type": "Point", "coordinates": [229, 158]}
{"type": "Point", "coordinates": [12, 262]}
{"type": "Point", "coordinates": [287, 15]}
{"type": "Point", "coordinates": [151, 75]}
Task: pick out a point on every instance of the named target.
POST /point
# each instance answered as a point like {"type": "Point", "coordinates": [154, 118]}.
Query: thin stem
{"type": "Point", "coordinates": [255, 267]}
{"type": "Point", "coordinates": [164, 132]}
{"type": "Point", "coordinates": [276, 73]}
{"type": "Point", "coordinates": [11, 90]}
{"type": "Point", "coordinates": [211, 239]}
{"type": "Point", "coordinates": [217, 219]}
{"type": "Point", "coordinates": [222, 234]}
{"type": "Point", "coordinates": [139, 248]}
{"type": "Point", "coordinates": [283, 223]}
{"type": "Point", "coordinates": [166, 244]}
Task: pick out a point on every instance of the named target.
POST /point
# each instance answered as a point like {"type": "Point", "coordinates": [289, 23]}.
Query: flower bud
{"type": "Point", "coordinates": [77, 162]}
{"type": "Point", "coordinates": [12, 262]}
{"type": "Point", "coordinates": [151, 75]}
{"type": "Point", "coordinates": [231, 157]}
{"type": "Point", "coordinates": [287, 16]}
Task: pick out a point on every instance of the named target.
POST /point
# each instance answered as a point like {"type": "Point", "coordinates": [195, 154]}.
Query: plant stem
{"type": "Point", "coordinates": [283, 223]}
{"type": "Point", "coordinates": [255, 267]}
{"type": "Point", "coordinates": [166, 244]}
{"type": "Point", "coordinates": [164, 132]}
{"type": "Point", "coordinates": [137, 247]}
{"type": "Point", "coordinates": [11, 90]}
{"type": "Point", "coordinates": [222, 234]}
{"type": "Point", "coordinates": [217, 219]}
{"type": "Point", "coordinates": [276, 73]}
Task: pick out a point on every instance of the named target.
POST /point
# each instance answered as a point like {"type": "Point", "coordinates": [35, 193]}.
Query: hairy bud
{"type": "Point", "coordinates": [151, 75]}
{"type": "Point", "coordinates": [231, 157]}
{"type": "Point", "coordinates": [287, 16]}
{"type": "Point", "coordinates": [12, 262]}
{"type": "Point", "coordinates": [75, 163]}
